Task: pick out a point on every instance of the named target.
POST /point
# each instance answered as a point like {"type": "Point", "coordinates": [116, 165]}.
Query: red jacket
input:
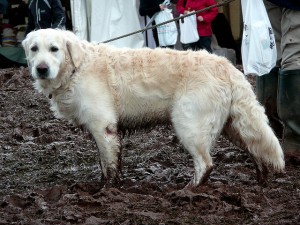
{"type": "Point", "coordinates": [204, 27]}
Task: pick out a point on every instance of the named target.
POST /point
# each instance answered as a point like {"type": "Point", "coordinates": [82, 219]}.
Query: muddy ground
{"type": "Point", "coordinates": [49, 174]}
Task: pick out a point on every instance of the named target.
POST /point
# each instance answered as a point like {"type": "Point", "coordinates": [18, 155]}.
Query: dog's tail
{"type": "Point", "coordinates": [250, 123]}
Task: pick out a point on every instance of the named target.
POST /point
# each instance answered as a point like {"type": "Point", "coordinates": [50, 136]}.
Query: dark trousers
{"type": "Point", "coordinates": [203, 43]}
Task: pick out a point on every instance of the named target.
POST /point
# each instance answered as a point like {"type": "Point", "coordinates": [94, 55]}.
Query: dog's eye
{"type": "Point", "coordinates": [34, 48]}
{"type": "Point", "coordinates": [53, 49]}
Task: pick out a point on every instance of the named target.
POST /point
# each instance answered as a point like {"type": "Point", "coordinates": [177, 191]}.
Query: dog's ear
{"type": "Point", "coordinates": [25, 45]}
{"type": "Point", "coordinates": [74, 48]}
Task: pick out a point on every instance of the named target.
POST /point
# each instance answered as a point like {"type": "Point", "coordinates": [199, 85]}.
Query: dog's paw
{"type": "Point", "coordinates": [113, 180]}
{"type": "Point", "coordinates": [262, 175]}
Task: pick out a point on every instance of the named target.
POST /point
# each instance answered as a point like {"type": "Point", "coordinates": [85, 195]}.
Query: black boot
{"type": "Point", "coordinates": [289, 109]}
{"type": "Point", "coordinates": [266, 91]}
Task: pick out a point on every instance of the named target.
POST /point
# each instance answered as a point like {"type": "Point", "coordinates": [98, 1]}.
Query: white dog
{"type": "Point", "coordinates": [107, 88]}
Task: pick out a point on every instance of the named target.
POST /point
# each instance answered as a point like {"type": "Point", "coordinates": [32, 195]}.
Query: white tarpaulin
{"type": "Point", "coordinates": [79, 19]}
{"type": "Point", "coordinates": [101, 20]}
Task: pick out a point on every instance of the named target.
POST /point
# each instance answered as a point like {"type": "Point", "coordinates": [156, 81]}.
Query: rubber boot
{"type": "Point", "coordinates": [266, 91]}
{"type": "Point", "coordinates": [289, 109]}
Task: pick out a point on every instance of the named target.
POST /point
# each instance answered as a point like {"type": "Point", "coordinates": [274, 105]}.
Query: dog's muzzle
{"type": "Point", "coordinates": [42, 70]}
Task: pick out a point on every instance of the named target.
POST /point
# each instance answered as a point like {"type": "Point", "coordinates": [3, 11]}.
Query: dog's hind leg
{"type": "Point", "coordinates": [199, 149]}
{"type": "Point", "coordinates": [197, 125]}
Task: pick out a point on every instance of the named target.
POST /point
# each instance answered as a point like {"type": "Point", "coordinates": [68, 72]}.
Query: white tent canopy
{"type": "Point", "coordinates": [101, 20]}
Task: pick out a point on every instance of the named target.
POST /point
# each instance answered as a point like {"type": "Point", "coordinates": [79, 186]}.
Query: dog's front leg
{"type": "Point", "coordinates": [108, 142]}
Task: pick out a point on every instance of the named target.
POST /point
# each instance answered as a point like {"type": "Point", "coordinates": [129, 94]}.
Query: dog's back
{"type": "Point", "coordinates": [147, 82]}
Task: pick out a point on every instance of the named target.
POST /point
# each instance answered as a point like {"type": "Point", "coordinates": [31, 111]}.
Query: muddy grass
{"type": "Point", "coordinates": [49, 174]}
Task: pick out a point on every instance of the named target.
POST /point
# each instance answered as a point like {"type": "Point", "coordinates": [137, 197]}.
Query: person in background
{"type": "Point", "coordinates": [45, 14]}
{"type": "Point", "coordinates": [149, 8]}
{"type": "Point", "coordinates": [204, 20]}
{"type": "Point", "coordinates": [279, 91]}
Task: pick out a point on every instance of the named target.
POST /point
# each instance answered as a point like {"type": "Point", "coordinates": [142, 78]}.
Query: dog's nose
{"type": "Point", "coordinates": [42, 70]}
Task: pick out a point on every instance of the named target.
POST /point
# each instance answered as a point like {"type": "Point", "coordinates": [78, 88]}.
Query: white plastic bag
{"type": "Point", "coordinates": [258, 44]}
{"type": "Point", "coordinates": [167, 33]}
{"type": "Point", "coordinates": [188, 30]}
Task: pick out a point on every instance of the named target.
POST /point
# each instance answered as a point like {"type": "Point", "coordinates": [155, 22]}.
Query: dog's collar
{"type": "Point", "coordinates": [73, 72]}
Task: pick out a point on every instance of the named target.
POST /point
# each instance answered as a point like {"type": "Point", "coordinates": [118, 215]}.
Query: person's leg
{"type": "Point", "coordinates": [289, 80]}
{"type": "Point", "coordinates": [191, 46]}
{"type": "Point", "coordinates": [155, 36]}
{"type": "Point", "coordinates": [290, 41]}
{"type": "Point", "coordinates": [266, 91]}
{"type": "Point", "coordinates": [289, 108]}
{"type": "Point", "coordinates": [169, 46]}
{"type": "Point", "coordinates": [275, 16]}
{"type": "Point", "coordinates": [205, 43]}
